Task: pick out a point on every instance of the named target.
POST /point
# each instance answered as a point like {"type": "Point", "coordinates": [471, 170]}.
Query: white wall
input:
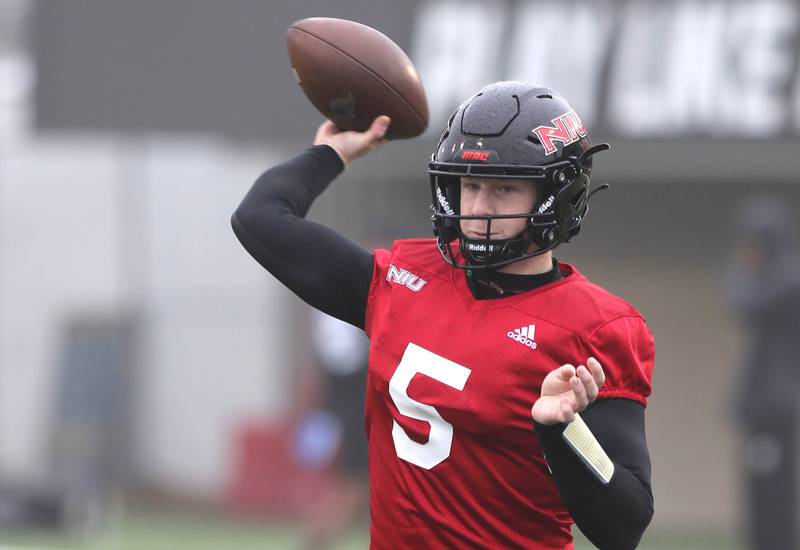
{"type": "Point", "coordinates": [98, 224]}
{"type": "Point", "coordinates": [56, 256]}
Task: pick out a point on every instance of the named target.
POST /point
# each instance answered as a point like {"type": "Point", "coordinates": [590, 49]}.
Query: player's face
{"type": "Point", "coordinates": [490, 196]}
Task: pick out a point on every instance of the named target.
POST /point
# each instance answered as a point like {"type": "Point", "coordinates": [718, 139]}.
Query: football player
{"type": "Point", "coordinates": [506, 392]}
{"type": "Point", "coordinates": [764, 290]}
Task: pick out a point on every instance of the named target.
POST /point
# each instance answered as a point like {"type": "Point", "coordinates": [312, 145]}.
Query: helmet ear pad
{"type": "Point", "coordinates": [447, 195]}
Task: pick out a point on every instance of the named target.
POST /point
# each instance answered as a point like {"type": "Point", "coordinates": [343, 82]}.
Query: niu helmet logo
{"type": "Point", "coordinates": [481, 156]}
{"type": "Point", "coordinates": [403, 277]}
{"type": "Point", "coordinates": [566, 128]}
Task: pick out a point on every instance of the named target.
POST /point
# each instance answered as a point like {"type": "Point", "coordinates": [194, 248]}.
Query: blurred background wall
{"type": "Point", "coordinates": [129, 131]}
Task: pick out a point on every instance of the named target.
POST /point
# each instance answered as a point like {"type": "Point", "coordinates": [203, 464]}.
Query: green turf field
{"type": "Point", "coordinates": [153, 528]}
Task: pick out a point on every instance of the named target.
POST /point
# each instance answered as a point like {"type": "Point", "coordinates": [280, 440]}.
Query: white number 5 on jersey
{"type": "Point", "coordinates": [419, 360]}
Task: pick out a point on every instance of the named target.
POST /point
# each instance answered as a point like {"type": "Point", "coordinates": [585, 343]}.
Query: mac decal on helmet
{"type": "Point", "coordinates": [513, 130]}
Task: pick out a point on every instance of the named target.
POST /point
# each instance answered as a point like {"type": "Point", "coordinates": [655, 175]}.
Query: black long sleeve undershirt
{"type": "Point", "coordinates": [333, 274]}
{"type": "Point", "coordinates": [614, 516]}
{"type": "Point", "coordinates": [323, 268]}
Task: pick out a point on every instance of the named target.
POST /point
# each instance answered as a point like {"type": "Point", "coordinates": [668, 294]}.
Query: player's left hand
{"type": "Point", "coordinates": [566, 391]}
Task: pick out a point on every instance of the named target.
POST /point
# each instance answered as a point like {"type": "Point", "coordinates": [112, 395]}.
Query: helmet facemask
{"type": "Point", "coordinates": [554, 219]}
{"type": "Point", "coordinates": [478, 143]}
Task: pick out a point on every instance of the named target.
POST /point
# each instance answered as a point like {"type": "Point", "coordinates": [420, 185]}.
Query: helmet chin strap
{"type": "Point", "coordinates": [488, 252]}
{"type": "Point", "coordinates": [485, 252]}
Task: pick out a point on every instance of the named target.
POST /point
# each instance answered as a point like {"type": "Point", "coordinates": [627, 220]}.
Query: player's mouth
{"type": "Point", "coordinates": [483, 235]}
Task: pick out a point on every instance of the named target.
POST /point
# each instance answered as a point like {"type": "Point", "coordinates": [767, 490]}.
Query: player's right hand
{"type": "Point", "coordinates": [350, 145]}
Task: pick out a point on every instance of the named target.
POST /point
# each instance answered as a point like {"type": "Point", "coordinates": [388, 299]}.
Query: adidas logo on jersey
{"type": "Point", "coordinates": [524, 335]}
{"type": "Point", "coordinates": [406, 278]}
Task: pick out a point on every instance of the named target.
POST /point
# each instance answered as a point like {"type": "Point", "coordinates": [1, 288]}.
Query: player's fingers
{"type": "Point", "coordinates": [325, 130]}
{"type": "Point", "coordinates": [588, 382]}
{"type": "Point", "coordinates": [373, 137]}
{"type": "Point", "coordinates": [581, 399]}
{"type": "Point", "coordinates": [565, 372]}
{"type": "Point", "coordinates": [379, 128]}
{"type": "Point", "coordinates": [597, 371]}
{"type": "Point", "coordinates": [567, 412]}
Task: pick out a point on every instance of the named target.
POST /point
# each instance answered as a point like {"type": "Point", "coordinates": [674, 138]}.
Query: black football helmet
{"type": "Point", "coordinates": [513, 130]}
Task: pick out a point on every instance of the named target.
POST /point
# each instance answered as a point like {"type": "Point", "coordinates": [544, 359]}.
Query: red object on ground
{"type": "Point", "coordinates": [267, 479]}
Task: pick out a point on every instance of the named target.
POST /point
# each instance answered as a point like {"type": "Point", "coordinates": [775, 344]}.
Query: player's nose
{"type": "Point", "coordinates": [484, 203]}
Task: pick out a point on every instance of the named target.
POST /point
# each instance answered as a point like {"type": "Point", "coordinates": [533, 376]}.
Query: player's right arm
{"type": "Point", "coordinates": [322, 267]}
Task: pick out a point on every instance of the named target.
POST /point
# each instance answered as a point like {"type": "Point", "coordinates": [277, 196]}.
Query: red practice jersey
{"type": "Point", "coordinates": [454, 461]}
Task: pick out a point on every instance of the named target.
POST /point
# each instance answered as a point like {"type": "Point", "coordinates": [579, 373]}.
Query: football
{"type": "Point", "coordinates": [352, 73]}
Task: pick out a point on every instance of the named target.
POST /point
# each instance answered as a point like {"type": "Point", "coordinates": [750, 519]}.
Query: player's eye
{"type": "Point", "coordinates": [466, 186]}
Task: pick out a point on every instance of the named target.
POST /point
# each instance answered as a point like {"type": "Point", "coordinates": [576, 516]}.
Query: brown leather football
{"type": "Point", "coordinates": [353, 73]}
